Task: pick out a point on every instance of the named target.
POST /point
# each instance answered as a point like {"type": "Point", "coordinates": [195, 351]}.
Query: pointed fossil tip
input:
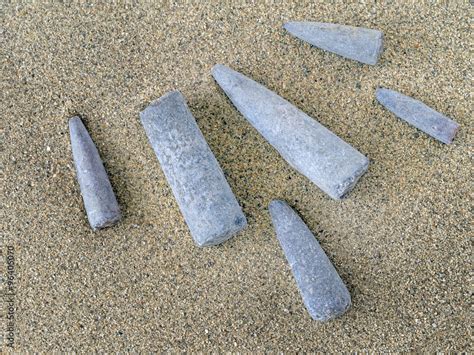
{"type": "Point", "coordinates": [218, 66]}
{"type": "Point", "coordinates": [381, 94]}
{"type": "Point", "coordinates": [289, 26]}
{"type": "Point", "coordinates": [218, 69]}
{"type": "Point", "coordinates": [275, 205]}
{"type": "Point", "coordinates": [74, 121]}
{"type": "Point", "coordinates": [76, 126]}
{"type": "Point", "coordinates": [277, 208]}
{"type": "Point", "coordinates": [380, 90]}
{"type": "Point", "coordinates": [224, 76]}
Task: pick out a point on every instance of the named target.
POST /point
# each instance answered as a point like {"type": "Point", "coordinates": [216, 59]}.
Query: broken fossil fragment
{"type": "Point", "coordinates": [99, 199]}
{"type": "Point", "coordinates": [207, 203]}
{"type": "Point", "coordinates": [357, 43]}
{"type": "Point", "coordinates": [418, 114]}
{"type": "Point", "coordinates": [323, 291]}
{"type": "Point", "coordinates": [313, 150]}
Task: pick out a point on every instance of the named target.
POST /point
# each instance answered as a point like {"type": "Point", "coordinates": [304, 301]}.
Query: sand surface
{"type": "Point", "coordinates": [400, 240]}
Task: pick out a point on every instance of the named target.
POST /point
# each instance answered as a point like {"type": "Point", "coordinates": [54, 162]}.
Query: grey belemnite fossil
{"type": "Point", "coordinates": [313, 150]}
{"type": "Point", "coordinates": [418, 114]}
{"type": "Point", "coordinates": [322, 289]}
{"type": "Point", "coordinates": [362, 44]}
{"type": "Point", "coordinates": [207, 203]}
{"type": "Point", "coordinates": [99, 199]}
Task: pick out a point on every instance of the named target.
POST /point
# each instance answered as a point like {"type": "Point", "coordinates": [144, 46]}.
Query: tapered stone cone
{"type": "Point", "coordinates": [418, 114]}
{"type": "Point", "coordinates": [207, 203]}
{"type": "Point", "coordinates": [357, 43]}
{"type": "Point", "coordinates": [99, 199]}
{"type": "Point", "coordinates": [313, 150]}
{"type": "Point", "coordinates": [323, 291]}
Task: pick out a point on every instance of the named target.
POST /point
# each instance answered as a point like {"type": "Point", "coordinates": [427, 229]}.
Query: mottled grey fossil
{"type": "Point", "coordinates": [313, 150]}
{"type": "Point", "coordinates": [323, 291]}
{"type": "Point", "coordinates": [357, 43]}
{"type": "Point", "coordinates": [418, 114]}
{"type": "Point", "coordinates": [207, 203]}
{"type": "Point", "coordinates": [99, 198]}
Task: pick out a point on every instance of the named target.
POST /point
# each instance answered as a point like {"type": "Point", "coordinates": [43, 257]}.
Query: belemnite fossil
{"type": "Point", "coordinates": [99, 199]}
{"type": "Point", "coordinates": [206, 201]}
{"type": "Point", "coordinates": [322, 289]}
{"type": "Point", "coordinates": [418, 114]}
{"type": "Point", "coordinates": [309, 147]}
{"type": "Point", "coordinates": [362, 44]}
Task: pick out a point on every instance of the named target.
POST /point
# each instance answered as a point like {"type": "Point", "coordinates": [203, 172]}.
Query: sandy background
{"type": "Point", "coordinates": [400, 241]}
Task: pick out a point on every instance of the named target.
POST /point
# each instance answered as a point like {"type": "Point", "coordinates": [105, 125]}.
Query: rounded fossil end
{"type": "Point", "coordinates": [331, 307]}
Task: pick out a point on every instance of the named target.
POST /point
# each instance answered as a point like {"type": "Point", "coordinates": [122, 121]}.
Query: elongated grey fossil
{"type": "Point", "coordinates": [323, 291]}
{"type": "Point", "coordinates": [207, 203]}
{"type": "Point", "coordinates": [99, 199]}
{"type": "Point", "coordinates": [357, 43]}
{"type": "Point", "coordinates": [418, 114]}
{"type": "Point", "coordinates": [313, 150]}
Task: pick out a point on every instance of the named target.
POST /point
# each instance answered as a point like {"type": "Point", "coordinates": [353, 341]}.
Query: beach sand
{"type": "Point", "coordinates": [400, 240]}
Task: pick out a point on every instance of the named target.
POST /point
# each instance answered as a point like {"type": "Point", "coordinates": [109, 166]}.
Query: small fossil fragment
{"type": "Point", "coordinates": [418, 114]}
{"type": "Point", "coordinates": [207, 203]}
{"type": "Point", "coordinates": [323, 291]}
{"type": "Point", "coordinates": [357, 43]}
{"type": "Point", "coordinates": [313, 150]}
{"type": "Point", "coordinates": [99, 198]}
